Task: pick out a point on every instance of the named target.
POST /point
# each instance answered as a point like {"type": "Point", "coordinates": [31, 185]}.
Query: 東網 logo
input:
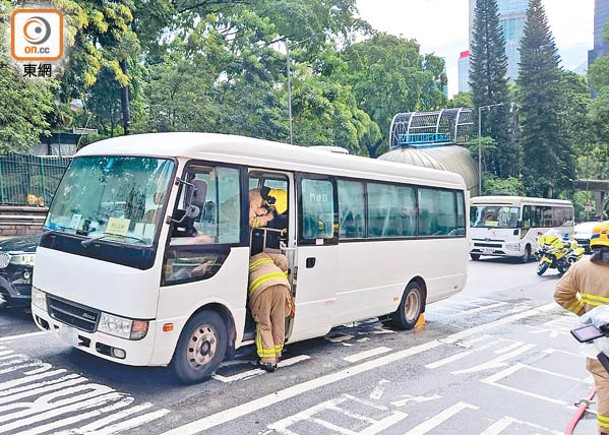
{"type": "Point", "coordinates": [37, 34]}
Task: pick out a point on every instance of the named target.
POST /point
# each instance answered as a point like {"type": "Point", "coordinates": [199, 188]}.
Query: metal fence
{"type": "Point", "coordinates": [28, 179]}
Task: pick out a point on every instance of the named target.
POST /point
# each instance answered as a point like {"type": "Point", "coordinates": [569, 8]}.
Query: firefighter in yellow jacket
{"type": "Point", "coordinates": [583, 287]}
{"type": "Point", "coordinates": [271, 302]}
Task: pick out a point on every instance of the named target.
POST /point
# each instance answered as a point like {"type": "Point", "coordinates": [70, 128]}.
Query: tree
{"type": "Point", "coordinates": [550, 160]}
{"type": "Point", "coordinates": [388, 75]}
{"type": "Point", "coordinates": [462, 99]}
{"type": "Point", "coordinates": [488, 69]}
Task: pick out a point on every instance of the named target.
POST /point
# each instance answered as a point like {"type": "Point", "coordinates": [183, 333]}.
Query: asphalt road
{"type": "Point", "coordinates": [495, 359]}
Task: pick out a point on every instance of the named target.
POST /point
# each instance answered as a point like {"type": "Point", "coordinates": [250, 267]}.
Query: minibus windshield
{"type": "Point", "coordinates": [494, 216]}
{"type": "Point", "coordinates": [111, 198]}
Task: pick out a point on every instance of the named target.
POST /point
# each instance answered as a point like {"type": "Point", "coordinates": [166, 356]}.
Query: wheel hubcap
{"type": "Point", "coordinates": [202, 346]}
{"type": "Point", "coordinates": [411, 310]}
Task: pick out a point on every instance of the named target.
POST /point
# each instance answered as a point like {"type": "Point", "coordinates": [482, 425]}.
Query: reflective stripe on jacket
{"type": "Point", "coordinates": [267, 270]}
{"type": "Point", "coordinates": [583, 287]}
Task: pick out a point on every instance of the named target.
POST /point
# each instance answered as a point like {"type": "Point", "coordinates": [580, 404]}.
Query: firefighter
{"type": "Point", "coordinates": [265, 205]}
{"type": "Point", "coordinates": [270, 301]}
{"type": "Point", "coordinates": [259, 214]}
{"type": "Point", "coordinates": [582, 288]}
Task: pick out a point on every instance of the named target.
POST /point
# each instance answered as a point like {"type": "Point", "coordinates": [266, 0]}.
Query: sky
{"type": "Point", "coordinates": [441, 27]}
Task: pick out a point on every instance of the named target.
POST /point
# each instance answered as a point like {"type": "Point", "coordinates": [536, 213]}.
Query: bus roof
{"type": "Point", "coordinates": [517, 200]}
{"type": "Point", "coordinates": [268, 155]}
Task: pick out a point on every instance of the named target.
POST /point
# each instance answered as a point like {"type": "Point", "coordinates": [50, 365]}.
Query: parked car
{"type": "Point", "coordinates": [582, 233]}
{"type": "Point", "coordinates": [16, 268]}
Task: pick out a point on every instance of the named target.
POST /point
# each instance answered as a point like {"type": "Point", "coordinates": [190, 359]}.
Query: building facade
{"type": "Point", "coordinates": [601, 15]}
{"type": "Point", "coordinates": [463, 66]}
{"type": "Point", "coordinates": [512, 16]}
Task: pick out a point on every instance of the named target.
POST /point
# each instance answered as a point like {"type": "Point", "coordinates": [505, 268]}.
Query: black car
{"type": "Point", "coordinates": [16, 269]}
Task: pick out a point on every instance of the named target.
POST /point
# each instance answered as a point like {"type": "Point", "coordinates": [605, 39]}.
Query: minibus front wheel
{"type": "Point", "coordinates": [201, 348]}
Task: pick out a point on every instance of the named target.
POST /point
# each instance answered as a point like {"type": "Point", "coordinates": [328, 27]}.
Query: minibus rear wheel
{"type": "Point", "coordinates": [201, 348]}
{"type": "Point", "coordinates": [410, 307]}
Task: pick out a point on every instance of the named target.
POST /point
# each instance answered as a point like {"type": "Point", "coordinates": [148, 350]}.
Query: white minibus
{"type": "Point", "coordinates": [508, 226]}
{"type": "Point", "coordinates": [145, 251]}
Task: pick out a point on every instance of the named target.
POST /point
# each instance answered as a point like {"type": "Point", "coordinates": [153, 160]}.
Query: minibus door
{"type": "Point", "coordinates": [315, 256]}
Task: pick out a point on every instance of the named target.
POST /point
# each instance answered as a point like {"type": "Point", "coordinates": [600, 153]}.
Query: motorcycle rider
{"type": "Point", "coordinates": [582, 288]}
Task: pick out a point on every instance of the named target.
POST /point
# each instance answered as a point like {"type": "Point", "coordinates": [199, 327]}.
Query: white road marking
{"type": "Point", "coordinates": [448, 360]}
{"type": "Point", "coordinates": [512, 346]}
{"type": "Point", "coordinates": [375, 426]}
{"type": "Point", "coordinates": [479, 309]}
{"type": "Point", "coordinates": [492, 380]}
{"type": "Point", "coordinates": [47, 399]}
{"type": "Point", "coordinates": [470, 343]}
{"type": "Point", "coordinates": [255, 372]}
{"type": "Point", "coordinates": [295, 390]}
{"type": "Point", "coordinates": [379, 390]}
{"type": "Point", "coordinates": [463, 354]}
{"type": "Point", "coordinates": [367, 354]}
{"type": "Point", "coordinates": [505, 422]}
{"type": "Point", "coordinates": [497, 362]}
{"type": "Point", "coordinates": [39, 415]}
{"type": "Point", "coordinates": [19, 337]}
{"type": "Point", "coordinates": [417, 399]}
{"type": "Point", "coordinates": [134, 422]}
{"type": "Point", "coordinates": [437, 420]}
{"type": "Point", "coordinates": [33, 390]}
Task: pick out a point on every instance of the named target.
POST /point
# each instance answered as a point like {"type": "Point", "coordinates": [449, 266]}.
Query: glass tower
{"type": "Point", "coordinates": [512, 16]}
{"type": "Point", "coordinates": [601, 15]}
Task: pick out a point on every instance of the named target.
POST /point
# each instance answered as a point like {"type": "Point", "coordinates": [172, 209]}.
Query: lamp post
{"type": "Point", "coordinates": [287, 48]}
{"type": "Point", "coordinates": [480, 109]}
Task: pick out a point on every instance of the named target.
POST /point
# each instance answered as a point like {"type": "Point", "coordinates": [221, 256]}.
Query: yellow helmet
{"type": "Point", "coordinates": [599, 235]}
{"type": "Point", "coordinates": [281, 200]}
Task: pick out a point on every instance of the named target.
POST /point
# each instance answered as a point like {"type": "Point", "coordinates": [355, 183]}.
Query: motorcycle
{"type": "Point", "coordinates": [557, 253]}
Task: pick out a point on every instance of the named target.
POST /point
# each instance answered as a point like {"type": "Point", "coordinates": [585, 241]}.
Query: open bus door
{"type": "Point", "coordinates": [315, 256]}
{"type": "Point", "coordinates": [277, 235]}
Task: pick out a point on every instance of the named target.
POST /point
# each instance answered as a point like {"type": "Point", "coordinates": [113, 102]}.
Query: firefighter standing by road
{"type": "Point", "coordinates": [270, 302]}
{"type": "Point", "coordinates": [583, 287]}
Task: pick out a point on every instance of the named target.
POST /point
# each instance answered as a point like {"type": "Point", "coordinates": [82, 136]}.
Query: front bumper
{"type": "Point", "coordinates": [494, 248]}
{"type": "Point", "coordinates": [15, 289]}
{"type": "Point", "coordinates": [136, 352]}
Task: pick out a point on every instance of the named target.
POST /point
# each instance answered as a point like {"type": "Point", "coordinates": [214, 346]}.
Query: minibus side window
{"type": "Point", "coordinates": [198, 246]}
{"type": "Point", "coordinates": [351, 210]}
{"type": "Point", "coordinates": [317, 209]}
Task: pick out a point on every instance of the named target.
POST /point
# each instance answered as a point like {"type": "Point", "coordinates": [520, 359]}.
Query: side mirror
{"type": "Point", "coordinates": [519, 223]}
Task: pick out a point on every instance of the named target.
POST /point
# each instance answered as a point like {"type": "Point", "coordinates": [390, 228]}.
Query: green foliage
{"type": "Point", "coordinates": [493, 185]}
{"type": "Point", "coordinates": [462, 99]}
{"type": "Point", "coordinates": [388, 75]}
{"type": "Point", "coordinates": [488, 68]}
{"type": "Point", "coordinates": [550, 164]}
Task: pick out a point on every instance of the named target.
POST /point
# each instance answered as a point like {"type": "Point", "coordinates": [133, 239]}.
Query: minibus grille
{"type": "Point", "coordinates": [75, 315]}
{"type": "Point", "coordinates": [487, 245]}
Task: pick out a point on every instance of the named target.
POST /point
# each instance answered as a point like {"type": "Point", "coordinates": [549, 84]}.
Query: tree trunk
{"type": "Point", "coordinates": [125, 101]}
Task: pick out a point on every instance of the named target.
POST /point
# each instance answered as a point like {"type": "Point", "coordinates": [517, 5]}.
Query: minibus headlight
{"type": "Point", "coordinates": [513, 246]}
{"type": "Point", "coordinates": [39, 298]}
{"type": "Point", "coordinates": [121, 327]}
{"type": "Point", "coordinates": [23, 259]}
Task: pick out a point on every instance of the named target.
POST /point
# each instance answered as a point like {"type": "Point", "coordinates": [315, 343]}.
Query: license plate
{"type": "Point", "coordinates": [487, 251]}
{"type": "Point", "coordinates": [68, 334]}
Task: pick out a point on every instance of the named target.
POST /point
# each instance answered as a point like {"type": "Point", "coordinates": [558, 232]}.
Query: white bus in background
{"type": "Point", "coordinates": [508, 226]}
{"type": "Point", "coordinates": [145, 254]}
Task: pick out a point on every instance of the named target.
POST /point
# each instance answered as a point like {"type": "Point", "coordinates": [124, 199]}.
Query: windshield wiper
{"type": "Point", "coordinates": [87, 242]}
